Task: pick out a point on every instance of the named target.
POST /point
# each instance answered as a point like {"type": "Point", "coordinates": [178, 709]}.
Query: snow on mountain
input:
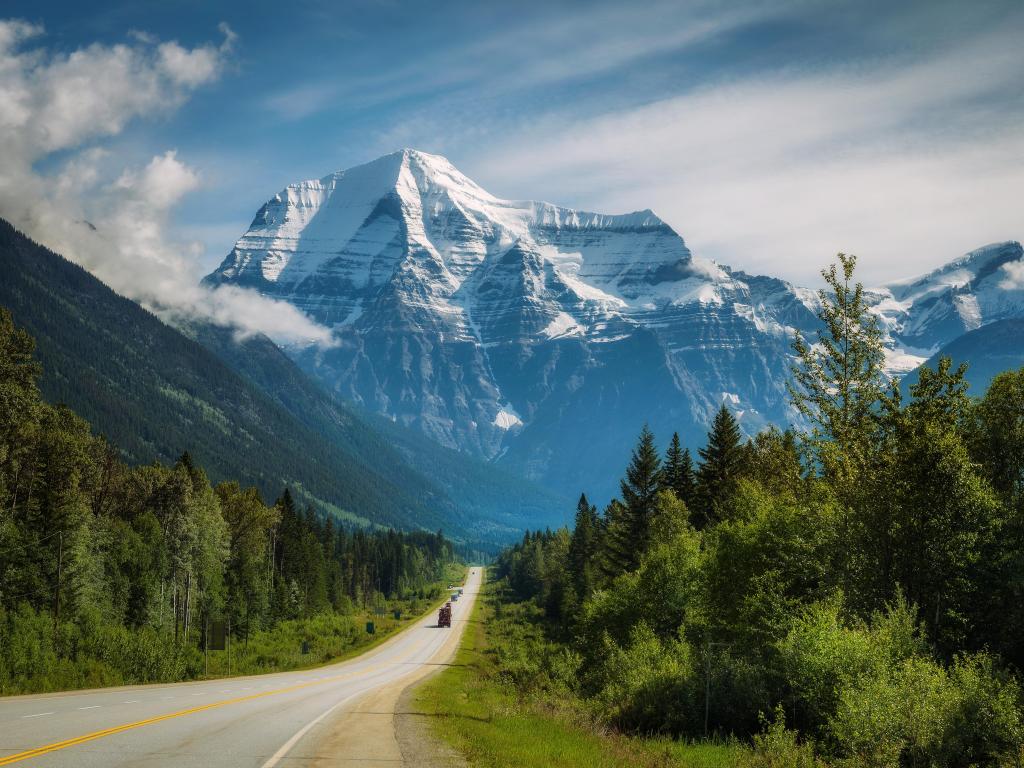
{"type": "Point", "coordinates": [533, 334]}
{"type": "Point", "coordinates": [922, 314]}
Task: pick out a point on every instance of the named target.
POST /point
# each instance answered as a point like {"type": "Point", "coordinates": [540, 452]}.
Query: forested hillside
{"type": "Point", "coordinates": [850, 596]}
{"type": "Point", "coordinates": [493, 505]}
{"type": "Point", "coordinates": [988, 351]}
{"type": "Point", "coordinates": [112, 574]}
{"type": "Point", "coordinates": [243, 410]}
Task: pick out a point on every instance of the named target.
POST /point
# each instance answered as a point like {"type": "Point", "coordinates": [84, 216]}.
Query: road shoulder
{"type": "Point", "coordinates": [420, 748]}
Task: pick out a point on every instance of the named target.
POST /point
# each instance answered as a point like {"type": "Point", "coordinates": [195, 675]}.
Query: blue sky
{"type": "Point", "coordinates": [770, 135]}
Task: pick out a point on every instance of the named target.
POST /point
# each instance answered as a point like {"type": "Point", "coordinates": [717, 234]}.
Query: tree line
{"type": "Point", "coordinates": [855, 588]}
{"type": "Point", "coordinates": [96, 554]}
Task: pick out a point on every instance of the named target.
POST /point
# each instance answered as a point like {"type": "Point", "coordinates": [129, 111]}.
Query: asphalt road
{"type": "Point", "coordinates": [333, 715]}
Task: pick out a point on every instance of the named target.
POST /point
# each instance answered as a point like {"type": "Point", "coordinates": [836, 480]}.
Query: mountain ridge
{"type": "Point", "coordinates": [497, 326]}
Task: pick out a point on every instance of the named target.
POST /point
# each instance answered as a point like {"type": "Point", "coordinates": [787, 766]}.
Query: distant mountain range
{"type": "Point", "coordinates": [245, 411]}
{"type": "Point", "coordinates": [541, 338]}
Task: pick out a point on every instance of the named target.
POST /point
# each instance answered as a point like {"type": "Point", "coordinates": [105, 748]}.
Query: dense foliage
{"type": "Point", "coordinates": [852, 595]}
{"type": "Point", "coordinates": [113, 573]}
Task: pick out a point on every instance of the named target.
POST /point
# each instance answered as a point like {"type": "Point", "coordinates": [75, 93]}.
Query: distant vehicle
{"type": "Point", "coordinates": [444, 616]}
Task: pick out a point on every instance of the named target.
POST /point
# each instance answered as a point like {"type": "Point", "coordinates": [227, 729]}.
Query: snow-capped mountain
{"type": "Point", "coordinates": [533, 334]}
{"type": "Point", "coordinates": [923, 314]}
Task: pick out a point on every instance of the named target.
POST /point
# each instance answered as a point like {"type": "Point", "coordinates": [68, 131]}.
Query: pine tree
{"type": "Point", "coordinates": [583, 548]}
{"type": "Point", "coordinates": [721, 464]}
{"type": "Point", "coordinates": [677, 473]}
{"type": "Point", "coordinates": [618, 548]}
{"type": "Point", "coordinates": [630, 536]}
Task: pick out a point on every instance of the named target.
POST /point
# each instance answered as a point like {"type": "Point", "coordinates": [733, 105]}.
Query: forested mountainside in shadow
{"type": "Point", "coordinates": [155, 393]}
{"type": "Point", "coordinates": [493, 502]}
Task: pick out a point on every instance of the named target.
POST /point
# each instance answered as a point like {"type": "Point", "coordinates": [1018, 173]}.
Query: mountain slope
{"type": "Point", "coordinates": [155, 393]}
{"type": "Point", "coordinates": [988, 351]}
{"type": "Point", "coordinates": [522, 332]}
{"type": "Point", "coordinates": [493, 503]}
{"type": "Point", "coordinates": [922, 314]}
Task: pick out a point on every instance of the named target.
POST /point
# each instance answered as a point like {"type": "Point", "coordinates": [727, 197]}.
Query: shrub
{"type": "Point", "coordinates": [779, 747]}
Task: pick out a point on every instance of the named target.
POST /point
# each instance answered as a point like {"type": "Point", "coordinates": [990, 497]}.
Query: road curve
{"type": "Point", "coordinates": [341, 714]}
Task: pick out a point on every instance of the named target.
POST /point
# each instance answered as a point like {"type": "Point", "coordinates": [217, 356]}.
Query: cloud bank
{"type": "Point", "coordinates": [908, 163]}
{"type": "Point", "coordinates": [114, 221]}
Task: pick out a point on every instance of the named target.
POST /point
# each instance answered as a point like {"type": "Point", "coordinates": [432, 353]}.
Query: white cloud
{"type": "Point", "coordinates": [905, 163]}
{"type": "Point", "coordinates": [160, 184]}
{"type": "Point", "coordinates": [115, 221]}
{"type": "Point", "coordinates": [1014, 276]}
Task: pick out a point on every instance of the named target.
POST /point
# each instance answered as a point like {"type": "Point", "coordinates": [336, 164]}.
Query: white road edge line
{"type": "Point", "coordinates": [94, 706]}
{"type": "Point", "coordinates": [276, 757]}
{"type": "Point", "coordinates": [131, 701]}
{"type": "Point", "coordinates": [40, 714]}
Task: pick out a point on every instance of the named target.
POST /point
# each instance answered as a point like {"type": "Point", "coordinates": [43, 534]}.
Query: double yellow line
{"type": "Point", "coordinates": [30, 753]}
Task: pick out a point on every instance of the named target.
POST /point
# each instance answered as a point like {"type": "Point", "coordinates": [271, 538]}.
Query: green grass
{"type": "Point", "coordinates": [491, 724]}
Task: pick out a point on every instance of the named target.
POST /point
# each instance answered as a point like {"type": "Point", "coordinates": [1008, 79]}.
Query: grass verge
{"type": "Point", "coordinates": [492, 725]}
{"type": "Point", "coordinates": [105, 656]}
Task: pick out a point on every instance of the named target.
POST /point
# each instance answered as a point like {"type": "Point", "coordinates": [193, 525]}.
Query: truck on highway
{"type": "Point", "coordinates": [444, 616]}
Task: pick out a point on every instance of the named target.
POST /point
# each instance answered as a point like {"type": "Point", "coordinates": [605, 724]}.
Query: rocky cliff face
{"type": "Point", "coordinates": [534, 335]}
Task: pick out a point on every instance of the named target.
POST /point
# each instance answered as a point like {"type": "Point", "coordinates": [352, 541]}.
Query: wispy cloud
{"type": "Point", "coordinates": [536, 51]}
{"type": "Point", "coordinates": [68, 103]}
{"type": "Point", "coordinates": [906, 162]}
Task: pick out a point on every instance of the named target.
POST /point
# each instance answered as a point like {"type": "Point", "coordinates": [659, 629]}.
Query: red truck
{"type": "Point", "coordinates": [444, 616]}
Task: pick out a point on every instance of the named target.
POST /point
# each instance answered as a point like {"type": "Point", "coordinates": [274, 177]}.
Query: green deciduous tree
{"type": "Point", "coordinates": [838, 381]}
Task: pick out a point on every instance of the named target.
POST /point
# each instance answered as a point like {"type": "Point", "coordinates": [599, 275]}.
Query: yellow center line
{"type": "Point", "coordinates": [38, 751]}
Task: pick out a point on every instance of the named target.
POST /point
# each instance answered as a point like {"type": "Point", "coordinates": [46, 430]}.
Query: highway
{"type": "Point", "coordinates": [341, 714]}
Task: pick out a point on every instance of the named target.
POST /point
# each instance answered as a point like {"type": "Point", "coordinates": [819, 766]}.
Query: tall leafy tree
{"type": "Point", "coordinates": [998, 435]}
{"type": "Point", "coordinates": [720, 468]}
{"type": "Point", "coordinates": [772, 458]}
{"type": "Point", "coordinates": [838, 381]}
{"type": "Point", "coordinates": [929, 516]}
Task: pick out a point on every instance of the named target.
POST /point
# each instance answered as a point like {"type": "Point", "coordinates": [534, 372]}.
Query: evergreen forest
{"type": "Point", "coordinates": [846, 595]}
{"type": "Point", "coordinates": [114, 574]}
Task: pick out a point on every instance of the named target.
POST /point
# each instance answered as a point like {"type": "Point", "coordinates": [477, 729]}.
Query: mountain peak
{"type": "Point", "coordinates": [964, 271]}
{"type": "Point", "coordinates": [413, 202]}
{"type": "Point", "coordinates": [390, 172]}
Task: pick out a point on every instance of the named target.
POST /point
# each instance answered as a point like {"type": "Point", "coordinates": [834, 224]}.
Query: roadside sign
{"type": "Point", "coordinates": [218, 635]}
{"type": "Point", "coordinates": [369, 628]}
